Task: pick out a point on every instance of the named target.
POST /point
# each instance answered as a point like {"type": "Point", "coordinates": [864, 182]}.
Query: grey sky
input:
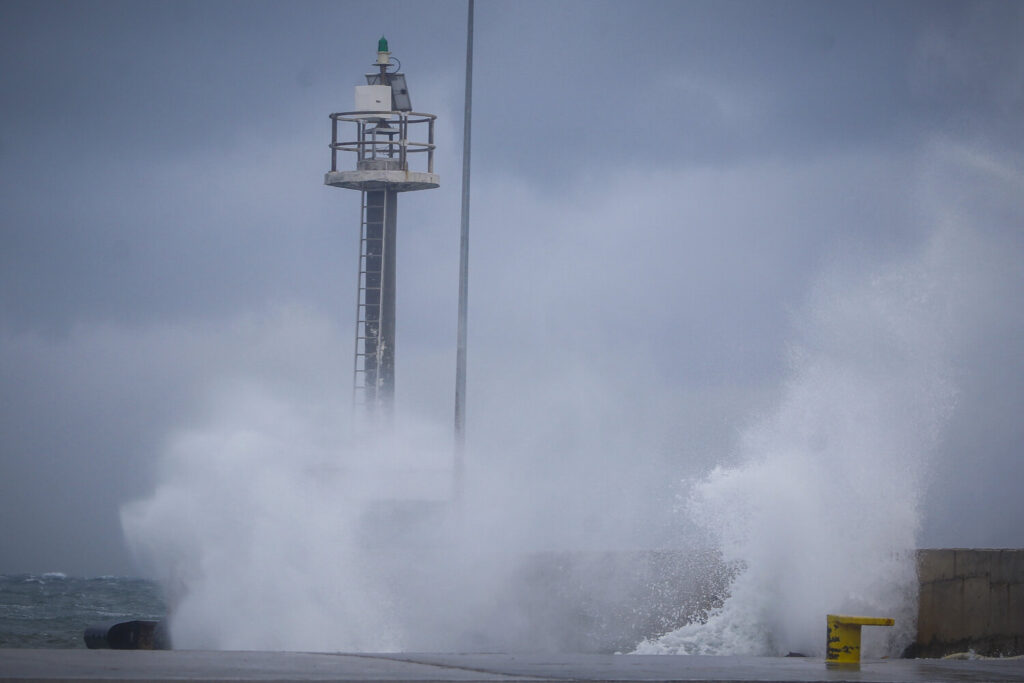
{"type": "Point", "coordinates": [658, 187]}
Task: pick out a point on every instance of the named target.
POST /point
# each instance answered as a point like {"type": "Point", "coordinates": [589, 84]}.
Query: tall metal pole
{"type": "Point", "coordinates": [460, 356]}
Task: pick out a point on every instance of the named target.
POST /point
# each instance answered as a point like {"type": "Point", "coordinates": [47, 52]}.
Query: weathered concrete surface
{"type": "Point", "coordinates": [970, 599]}
{"type": "Point", "coordinates": [121, 665]}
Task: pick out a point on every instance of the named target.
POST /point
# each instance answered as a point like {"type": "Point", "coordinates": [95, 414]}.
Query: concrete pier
{"type": "Point", "coordinates": [970, 599]}
{"type": "Point", "coordinates": [121, 665]}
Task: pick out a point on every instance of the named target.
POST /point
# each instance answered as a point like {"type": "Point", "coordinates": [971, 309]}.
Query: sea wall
{"type": "Point", "coordinates": [604, 602]}
{"type": "Point", "coordinates": [970, 599]}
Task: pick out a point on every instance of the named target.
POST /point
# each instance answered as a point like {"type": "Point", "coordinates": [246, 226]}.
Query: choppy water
{"type": "Point", "coordinates": [53, 610]}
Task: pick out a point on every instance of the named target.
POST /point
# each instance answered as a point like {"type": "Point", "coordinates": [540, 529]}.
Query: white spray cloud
{"type": "Point", "coordinates": [823, 511]}
{"type": "Point", "coordinates": [274, 528]}
{"type": "Point", "coordinates": [252, 529]}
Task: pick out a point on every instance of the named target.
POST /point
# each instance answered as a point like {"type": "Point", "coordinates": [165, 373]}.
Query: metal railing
{"type": "Point", "coordinates": [376, 133]}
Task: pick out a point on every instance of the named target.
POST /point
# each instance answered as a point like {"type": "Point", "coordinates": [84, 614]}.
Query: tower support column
{"type": "Point", "coordinates": [389, 270]}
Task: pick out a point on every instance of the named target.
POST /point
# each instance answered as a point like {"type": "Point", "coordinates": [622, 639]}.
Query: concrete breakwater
{"type": "Point", "coordinates": [602, 602]}
{"type": "Point", "coordinates": [970, 599]}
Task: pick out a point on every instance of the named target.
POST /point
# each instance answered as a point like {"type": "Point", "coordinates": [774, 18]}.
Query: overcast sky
{"type": "Point", "coordinates": [659, 189]}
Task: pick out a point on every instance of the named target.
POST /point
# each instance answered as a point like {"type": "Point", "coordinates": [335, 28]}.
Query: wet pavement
{"type": "Point", "coordinates": [178, 665]}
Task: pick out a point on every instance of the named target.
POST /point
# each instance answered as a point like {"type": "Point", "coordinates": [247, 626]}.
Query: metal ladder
{"type": "Point", "coordinates": [369, 302]}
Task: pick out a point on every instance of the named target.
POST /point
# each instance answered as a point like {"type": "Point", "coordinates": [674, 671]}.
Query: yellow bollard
{"type": "Point", "coordinates": [843, 648]}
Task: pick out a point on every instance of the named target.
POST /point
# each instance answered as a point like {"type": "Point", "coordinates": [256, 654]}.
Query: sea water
{"type": "Point", "coordinates": [53, 610]}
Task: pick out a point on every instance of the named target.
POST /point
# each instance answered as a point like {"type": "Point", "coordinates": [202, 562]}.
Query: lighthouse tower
{"type": "Point", "coordinates": [385, 137]}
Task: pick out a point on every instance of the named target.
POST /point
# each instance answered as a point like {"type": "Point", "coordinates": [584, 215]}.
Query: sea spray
{"type": "Point", "coordinates": [273, 528]}
{"type": "Point", "coordinates": [265, 535]}
{"type": "Point", "coordinates": [276, 524]}
{"type": "Point", "coordinates": [253, 532]}
{"type": "Point", "coordinates": [821, 513]}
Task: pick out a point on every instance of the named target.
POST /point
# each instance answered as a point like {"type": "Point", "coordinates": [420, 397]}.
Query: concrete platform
{"type": "Point", "coordinates": [399, 181]}
{"type": "Point", "coordinates": [120, 665]}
